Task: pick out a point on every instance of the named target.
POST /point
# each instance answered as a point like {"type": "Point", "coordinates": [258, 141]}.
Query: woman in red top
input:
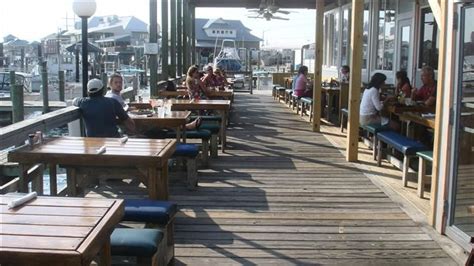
{"type": "Point", "coordinates": [403, 84]}
{"type": "Point", "coordinates": [196, 88]}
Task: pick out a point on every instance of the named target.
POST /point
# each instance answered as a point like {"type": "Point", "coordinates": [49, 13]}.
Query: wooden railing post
{"type": "Point", "coordinates": [61, 85]}
{"type": "Point", "coordinates": [44, 91]}
{"type": "Point", "coordinates": [17, 103]}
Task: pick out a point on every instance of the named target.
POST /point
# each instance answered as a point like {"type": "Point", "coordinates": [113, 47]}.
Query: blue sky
{"type": "Point", "coordinates": [34, 19]}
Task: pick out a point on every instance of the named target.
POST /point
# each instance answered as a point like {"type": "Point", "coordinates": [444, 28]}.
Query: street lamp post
{"type": "Point", "coordinates": [84, 9]}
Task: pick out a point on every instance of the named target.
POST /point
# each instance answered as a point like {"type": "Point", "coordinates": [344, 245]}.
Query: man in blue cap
{"type": "Point", "coordinates": [102, 115]}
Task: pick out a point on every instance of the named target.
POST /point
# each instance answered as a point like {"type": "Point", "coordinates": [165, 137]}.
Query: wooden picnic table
{"type": "Point", "coordinates": [418, 119]}
{"type": "Point", "coordinates": [173, 119]}
{"type": "Point", "coordinates": [221, 106]}
{"type": "Point", "coordinates": [227, 94]}
{"type": "Point", "coordinates": [146, 159]}
{"type": "Point", "coordinates": [57, 230]}
{"type": "Point", "coordinates": [174, 94]}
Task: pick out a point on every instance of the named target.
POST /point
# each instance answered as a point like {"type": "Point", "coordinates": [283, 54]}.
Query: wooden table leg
{"type": "Point", "coordinates": [163, 185]}
{"type": "Point", "coordinates": [152, 184]}
{"type": "Point", "coordinates": [178, 134]}
{"type": "Point", "coordinates": [105, 254]}
{"type": "Point", "coordinates": [328, 111]}
{"type": "Point", "coordinates": [421, 177]}
{"type": "Point", "coordinates": [53, 184]}
{"type": "Point", "coordinates": [23, 184]}
{"type": "Point", "coordinates": [223, 129]}
{"type": "Point", "coordinates": [71, 181]}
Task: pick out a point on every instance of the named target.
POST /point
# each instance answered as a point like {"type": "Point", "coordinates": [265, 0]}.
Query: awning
{"type": "Point", "coordinates": [91, 48]}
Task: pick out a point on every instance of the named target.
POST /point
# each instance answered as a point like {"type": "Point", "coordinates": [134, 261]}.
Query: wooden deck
{"type": "Point", "coordinates": [285, 195]}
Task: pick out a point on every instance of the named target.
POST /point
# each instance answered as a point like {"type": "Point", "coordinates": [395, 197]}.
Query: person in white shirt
{"type": "Point", "coordinates": [116, 85]}
{"type": "Point", "coordinates": [370, 105]}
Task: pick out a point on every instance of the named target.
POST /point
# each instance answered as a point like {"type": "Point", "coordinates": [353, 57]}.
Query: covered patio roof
{"type": "Point", "coordinates": [305, 4]}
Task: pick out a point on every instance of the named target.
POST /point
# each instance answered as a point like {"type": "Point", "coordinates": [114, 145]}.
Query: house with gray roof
{"type": "Point", "coordinates": [211, 32]}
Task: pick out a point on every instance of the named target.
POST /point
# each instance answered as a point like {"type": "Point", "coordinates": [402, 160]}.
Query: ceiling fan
{"type": "Point", "coordinates": [267, 9]}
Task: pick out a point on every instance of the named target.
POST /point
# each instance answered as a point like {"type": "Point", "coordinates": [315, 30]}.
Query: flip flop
{"type": "Point", "coordinates": [198, 122]}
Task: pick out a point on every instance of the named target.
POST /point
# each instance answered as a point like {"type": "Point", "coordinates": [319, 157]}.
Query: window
{"type": "Point", "coordinates": [214, 32]}
{"type": "Point", "coordinates": [429, 42]}
{"type": "Point", "coordinates": [345, 36]}
{"type": "Point", "coordinates": [365, 35]}
{"type": "Point", "coordinates": [335, 40]}
{"type": "Point", "coordinates": [331, 38]}
{"type": "Point", "coordinates": [386, 35]}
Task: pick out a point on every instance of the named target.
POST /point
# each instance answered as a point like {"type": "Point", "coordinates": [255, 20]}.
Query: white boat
{"type": "Point", "coordinates": [228, 57]}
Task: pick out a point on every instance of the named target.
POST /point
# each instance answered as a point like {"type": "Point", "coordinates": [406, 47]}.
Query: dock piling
{"type": "Point", "coordinates": [44, 90]}
{"type": "Point", "coordinates": [61, 85]}
{"type": "Point", "coordinates": [18, 113]}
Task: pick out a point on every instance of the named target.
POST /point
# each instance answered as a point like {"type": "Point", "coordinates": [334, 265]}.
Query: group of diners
{"type": "Point", "coordinates": [403, 115]}
{"type": "Point", "coordinates": [199, 83]}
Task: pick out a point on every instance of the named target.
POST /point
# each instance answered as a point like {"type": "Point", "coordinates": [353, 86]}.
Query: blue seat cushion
{"type": "Point", "coordinates": [306, 100]}
{"type": "Point", "coordinates": [214, 118]}
{"type": "Point", "coordinates": [186, 150]}
{"type": "Point", "coordinates": [211, 127]}
{"type": "Point", "coordinates": [198, 134]}
{"type": "Point", "coordinates": [135, 242]}
{"type": "Point", "coordinates": [401, 143]}
{"type": "Point", "coordinates": [375, 128]}
{"type": "Point", "coordinates": [427, 155]}
{"type": "Point", "coordinates": [149, 211]}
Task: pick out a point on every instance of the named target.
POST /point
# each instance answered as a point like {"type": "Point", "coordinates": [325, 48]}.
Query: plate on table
{"type": "Point", "coordinates": [141, 112]}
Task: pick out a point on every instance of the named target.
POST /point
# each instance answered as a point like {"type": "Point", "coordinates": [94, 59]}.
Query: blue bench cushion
{"type": "Point", "coordinates": [135, 242]}
{"type": "Point", "coordinates": [306, 100]}
{"type": "Point", "coordinates": [427, 155]}
{"type": "Point", "coordinates": [186, 150]}
{"type": "Point", "coordinates": [401, 143]}
{"type": "Point", "coordinates": [193, 134]}
{"type": "Point", "coordinates": [149, 211]}
{"type": "Point", "coordinates": [214, 118]}
{"type": "Point", "coordinates": [211, 127]}
{"type": "Point", "coordinates": [375, 128]}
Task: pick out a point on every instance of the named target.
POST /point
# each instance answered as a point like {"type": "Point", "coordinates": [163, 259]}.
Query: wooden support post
{"type": "Point", "coordinates": [186, 34]}
{"type": "Point", "coordinates": [61, 85]}
{"type": "Point", "coordinates": [193, 33]}
{"type": "Point", "coordinates": [104, 78]}
{"type": "Point", "coordinates": [153, 61]}
{"type": "Point", "coordinates": [12, 78]}
{"type": "Point", "coordinates": [179, 41]}
{"type": "Point", "coordinates": [44, 90]}
{"type": "Point", "coordinates": [439, 137]}
{"type": "Point", "coordinates": [17, 103]}
{"type": "Point", "coordinates": [355, 80]}
{"type": "Point", "coordinates": [172, 68]}
{"type": "Point", "coordinates": [164, 39]}
{"type": "Point", "coordinates": [318, 66]}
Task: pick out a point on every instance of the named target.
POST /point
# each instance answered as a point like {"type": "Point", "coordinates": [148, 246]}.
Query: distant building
{"type": "Point", "coordinates": [15, 53]}
{"type": "Point", "coordinates": [211, 32]}
{"type": "Point", "coordinates": [55, 54]}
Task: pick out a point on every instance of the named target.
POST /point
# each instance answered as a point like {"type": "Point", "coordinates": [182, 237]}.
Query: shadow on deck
{"type": "Point", "coordinates": [285, 195]}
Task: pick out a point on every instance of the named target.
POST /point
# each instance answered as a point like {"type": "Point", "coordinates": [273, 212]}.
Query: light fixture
{"type": "Point", "coordinates": [84, 9]}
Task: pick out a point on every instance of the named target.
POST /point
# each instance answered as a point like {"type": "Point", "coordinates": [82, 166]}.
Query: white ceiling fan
{"type": "Point", "coordinates": [267, 9]}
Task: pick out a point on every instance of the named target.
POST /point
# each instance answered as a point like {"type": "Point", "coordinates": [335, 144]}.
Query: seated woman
{"type": "Point", "coordinates": [301, 88]}
{"type": "Point", "coordinates": [220, 79]}
{"type": "Point", "coordinates": [403, 88]}
{"type": "Point", "coordinates": [196, 88]}
{"type": "Point", "coordinates": [344, 74]}
{"type": "Point", "coordinates": [370, 105]}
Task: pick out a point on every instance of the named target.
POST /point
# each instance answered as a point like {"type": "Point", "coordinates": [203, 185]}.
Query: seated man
{"type": "Point", "coordinates": [102, 115]}
{"type": "Point", "coordinates": [116, 85]}
{"type": "Point", "coordinates": [427, 92]}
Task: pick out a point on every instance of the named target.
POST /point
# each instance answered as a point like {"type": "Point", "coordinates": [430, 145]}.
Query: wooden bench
{"type": "Point", "coordinates": [343, 117]}
{"type": "Point", "coordinates": [306, 104]}
{"type": "Point", "coordinates": [423, 179]}
{"type": "Point", "coordinates": [281, 93]}
{"type": "Point", "coordinates": [156, 214]}
{"type": "Point", "coordinates": [275, 91]}
{"type": "Point", "coordinates": [145, 244]}
{"type": "Point", "coordinates": [288, 93]}
{"type": "Point", "coordinates": [408, 147]}
{"type": "Point", "coordinates": [188, 152]}
{"type": "Point", "coordinates": [373, 129]}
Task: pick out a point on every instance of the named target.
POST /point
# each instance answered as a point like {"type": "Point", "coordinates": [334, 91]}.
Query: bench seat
{"type": "Point", "coordinates": [189, 152]}
{"type": "Point", "coordinates": [145, 244]}
{"type": "Point", "coordinates": [149, 211]}
{"type": "Point", "coordinates": [423, 178]}
{"type": "Point", "coordinates": [306, 103]}
{"type": "Point", "coordinates": [344, 116]}
{"type": "Point", "coordinates": [215, 129]}
{"type": "Point", "coordinates": [213, 118]}
{"type": "Point", "coordinates": [374, 129]}
{"type": "Point", "coordinates": [408, 147]}
{"type": "Point", "coordinates": [401, 143]}
{"type": "Point", "coordinates": [202, 134]}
